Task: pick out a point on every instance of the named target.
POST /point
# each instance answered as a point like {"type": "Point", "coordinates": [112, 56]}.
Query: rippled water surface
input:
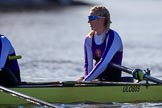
{"type": "Point", "coordinates": [51, 40]}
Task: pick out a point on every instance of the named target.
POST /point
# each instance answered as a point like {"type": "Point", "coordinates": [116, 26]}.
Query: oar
{"type": "Point", "coordinates": [130, 71]}
{"type": "Point", "coordinates": [23, 96]}
{"type": "Point", "coordinates": [26, 97]}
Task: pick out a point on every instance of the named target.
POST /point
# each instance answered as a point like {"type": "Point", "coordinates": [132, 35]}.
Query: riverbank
{"type": "Point", "coordinates": [31, 5]}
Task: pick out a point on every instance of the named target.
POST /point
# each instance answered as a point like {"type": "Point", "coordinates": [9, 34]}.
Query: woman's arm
{"type": "Point", "coordinates": [88, 56]}
{"type": "Point", "coordinates": [6, 48]}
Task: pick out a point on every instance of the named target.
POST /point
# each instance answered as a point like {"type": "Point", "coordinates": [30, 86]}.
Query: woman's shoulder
{"type": "Point", "coordinates": [117, 37]}
{"type": "Point", "coordinates": [115, 32]}
{"type": "Point", "coordinates": [3, 37]}
{"type": "Point", "coordinates": [90, 34]}
{"type": "Point", "coordinates": [88, 39]}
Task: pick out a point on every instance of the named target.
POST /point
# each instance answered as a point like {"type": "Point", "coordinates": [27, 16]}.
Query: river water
{"type": "Point", "coordinates": [50, 40]}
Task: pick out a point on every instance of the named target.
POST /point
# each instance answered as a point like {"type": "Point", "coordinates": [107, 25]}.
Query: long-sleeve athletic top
{"type": "Point", "coordinates": [104, 48]}
{"type": "Point", "coordinates": [6, 49]}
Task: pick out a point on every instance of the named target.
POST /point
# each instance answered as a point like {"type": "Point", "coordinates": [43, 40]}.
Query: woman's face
{"type": "Point", "coordinates": [94, 22]}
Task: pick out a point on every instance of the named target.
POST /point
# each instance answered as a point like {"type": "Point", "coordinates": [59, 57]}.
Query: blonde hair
{"type": "Point", "coordinates": [91, 34]}
{"type": "Point", "coordinates": [102, 11]}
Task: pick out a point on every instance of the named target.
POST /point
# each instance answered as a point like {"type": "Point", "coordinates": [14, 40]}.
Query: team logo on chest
{"type": "Point", "coordinates": [98, 52]}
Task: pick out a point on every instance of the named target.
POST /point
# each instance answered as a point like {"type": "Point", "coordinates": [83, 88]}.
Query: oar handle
{"type": "Point", "coordinates": [14, 57]}
{"type": "Point", "coordinates": [130, 71]}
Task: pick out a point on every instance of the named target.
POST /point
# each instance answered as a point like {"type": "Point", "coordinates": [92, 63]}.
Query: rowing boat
{"type": "Point", "coordinates": [87, 92]}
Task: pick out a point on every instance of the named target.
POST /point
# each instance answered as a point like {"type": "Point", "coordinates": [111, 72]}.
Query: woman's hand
{"type": "Point", "coordinates": [80, 79]}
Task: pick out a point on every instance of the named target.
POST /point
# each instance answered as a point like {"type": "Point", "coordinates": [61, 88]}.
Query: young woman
{"type": "Point", "coordinates": [9, 69]}
{"type": "Point", "coordinates": [103, 45]}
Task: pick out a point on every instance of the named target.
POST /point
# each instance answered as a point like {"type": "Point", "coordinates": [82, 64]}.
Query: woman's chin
{"type": "Point", "coordinates": [92, 28]}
